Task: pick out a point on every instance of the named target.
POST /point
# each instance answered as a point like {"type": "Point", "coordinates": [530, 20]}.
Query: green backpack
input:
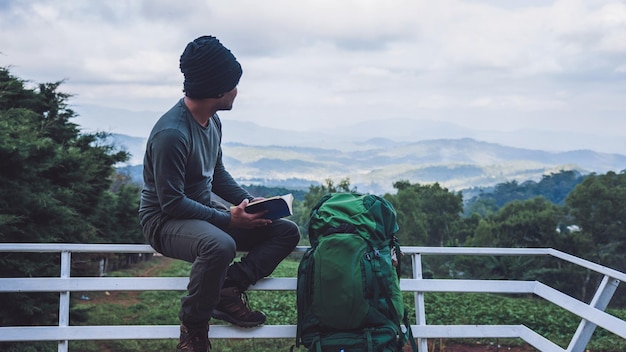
{"type": "Point", "coordinates": [348, 294]}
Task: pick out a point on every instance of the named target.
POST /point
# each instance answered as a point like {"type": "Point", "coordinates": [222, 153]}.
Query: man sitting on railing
{"type": "Point", "coordinates": [182, 167]}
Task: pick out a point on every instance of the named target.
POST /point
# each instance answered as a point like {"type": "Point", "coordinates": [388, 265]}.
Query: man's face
{"type": "Point", "coordinates": [226, 101]}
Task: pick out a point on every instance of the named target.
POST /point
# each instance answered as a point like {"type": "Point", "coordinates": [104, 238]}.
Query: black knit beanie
{"type": "Point", "coordinates": [209, 68]}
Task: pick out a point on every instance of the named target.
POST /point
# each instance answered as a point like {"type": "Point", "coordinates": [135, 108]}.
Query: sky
{"type": "Point", "coordinates": [497, 65]}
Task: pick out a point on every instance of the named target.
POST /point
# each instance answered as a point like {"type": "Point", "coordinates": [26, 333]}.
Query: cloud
{"type": "Point", "coordinates": [328, 62]}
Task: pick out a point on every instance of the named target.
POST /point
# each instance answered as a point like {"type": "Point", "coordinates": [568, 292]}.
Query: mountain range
{"type": "Point", "coordinates": [353, 136]}
{"type": "Point", "coordinates": [293, 159]}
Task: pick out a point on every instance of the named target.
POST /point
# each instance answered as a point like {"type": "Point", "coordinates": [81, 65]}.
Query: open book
{"type": "Point", "coordinates": [277, 207]}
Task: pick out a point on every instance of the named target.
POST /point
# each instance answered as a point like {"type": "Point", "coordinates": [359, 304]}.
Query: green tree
{"type": "Point", "coordinates": [52, 183]}
{"type": "Point", "coordinates": [429, 215]}
{"type": "Point", "coordinates": [553, 187]}
{"type": "Point", "coordinates": [537, 223]}
{"type": "Point", "coordinates": [529, 223]}
{"type": "Point", "coordinates": [481, 205]}
{"type": "Point", "coordinates": [116, 218]}
{"type": "Point", "coordinates": [483, 235]}
{"type": "Point", "coordinates": [556, 187]}
{"type": "Point", "coordinates": [598, 207]}
{"type": "Point", "coordinates": [412, 219]}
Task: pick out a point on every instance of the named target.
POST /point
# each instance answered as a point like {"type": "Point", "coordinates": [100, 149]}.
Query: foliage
{"type": "Point", "coordinates": [115, 217]}
{"type": "Point", "coordinates": [598, 207]}
{"type": "Point", "coordinates": [529, 223]}
{"type": "Point", "coordinates": [553, 187]}
{"type": "Point", "coordinates": [429, 215]}
{"type": "Point", "coordinates": [589, 225]}
{"type": "Point", "coordinates": [54, 187]}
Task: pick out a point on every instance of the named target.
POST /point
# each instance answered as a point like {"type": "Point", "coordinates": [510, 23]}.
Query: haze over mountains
{"type": "Point", "coordinates": [139, 123]}
{"type": "Point", "coordinates": [418, 151]}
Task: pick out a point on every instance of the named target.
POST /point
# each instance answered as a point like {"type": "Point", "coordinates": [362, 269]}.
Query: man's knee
{"type": "Point", "coordinates": [291, 232]}
{"type": "Point", "coordinates": [215, 247]}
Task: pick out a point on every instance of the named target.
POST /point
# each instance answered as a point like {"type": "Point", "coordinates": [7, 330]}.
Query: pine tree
{"type": "Point", "coordinates": [52, 183]}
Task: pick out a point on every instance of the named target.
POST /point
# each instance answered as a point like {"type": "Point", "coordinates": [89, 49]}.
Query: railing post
{"type": "Point", "coordinates": [64, 299]}
{"type": "Point", "coordinates": [600, 301]}
{"type": "Point", "coordinates": [420, 309]}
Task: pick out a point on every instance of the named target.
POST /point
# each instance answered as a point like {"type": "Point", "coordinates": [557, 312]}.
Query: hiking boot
{"type": "Point", "coordinates": [193, 340]}
{"type": "Point", "coordinates": [235, 309]}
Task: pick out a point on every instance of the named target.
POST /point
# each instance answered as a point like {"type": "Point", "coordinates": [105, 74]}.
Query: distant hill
{"type": "Point", "coordinates": [406, 129]}
{"type": "Point", "coordinates": [373, 165]}
{"type": "Point", "coordinates": [454, 163]}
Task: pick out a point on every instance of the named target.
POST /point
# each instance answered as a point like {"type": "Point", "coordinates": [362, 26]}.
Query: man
{"type": "Point", "coordinates": [180, 219]}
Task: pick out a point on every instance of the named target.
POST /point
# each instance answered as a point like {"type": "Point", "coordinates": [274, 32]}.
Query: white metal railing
{"type": "Point", "coordinates": [592, 314]}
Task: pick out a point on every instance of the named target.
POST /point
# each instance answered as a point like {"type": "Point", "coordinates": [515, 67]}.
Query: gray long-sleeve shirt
{"type": "Point", "coordinates": [182, 166]}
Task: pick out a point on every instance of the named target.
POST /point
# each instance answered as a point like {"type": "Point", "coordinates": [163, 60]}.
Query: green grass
{"type": "Point", "coordinates": [161, 308]}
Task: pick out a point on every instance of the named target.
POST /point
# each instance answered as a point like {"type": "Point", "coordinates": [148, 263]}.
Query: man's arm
{"type": "Point", "coordinates": [169, 152]}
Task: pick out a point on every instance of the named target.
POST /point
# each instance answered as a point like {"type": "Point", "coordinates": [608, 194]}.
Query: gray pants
{"type": "Point", "coordinates": [211, 251]}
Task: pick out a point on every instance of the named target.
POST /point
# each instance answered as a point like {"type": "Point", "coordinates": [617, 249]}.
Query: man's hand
{"type": "Point", "coordinates": [240, 219]}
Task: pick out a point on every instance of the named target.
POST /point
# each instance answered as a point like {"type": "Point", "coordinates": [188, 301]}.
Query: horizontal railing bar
{"type": "Point", "coordinates": [52, 284]}
{"type": "Point", "coordinates": [474, 251]}
{"type": "Point", "coordinates": [587, 264]}
{"type": "Point", "coordinates": [144, 248]}
{"type": "Point", "coordinates": [83, 284]}
{"type": "Point", "coordinates": [121, 332]}
{"type": "Point", "coordinates": [76, 248]}
{"type": "Point", "coordinates": [55, 284]}
{"type": "Point", "coordinates": [466, 331]}
{"type": "Point", "coordinates": [481, 251]}
{"type": "Point", "coordinates": [484, 286]}
{"type": "Point", "coordinates": [585, 311]}
{"type": "Point", "coordinates": [137, 332]}
{"type": "Point", "coordinates": [88, 248]}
